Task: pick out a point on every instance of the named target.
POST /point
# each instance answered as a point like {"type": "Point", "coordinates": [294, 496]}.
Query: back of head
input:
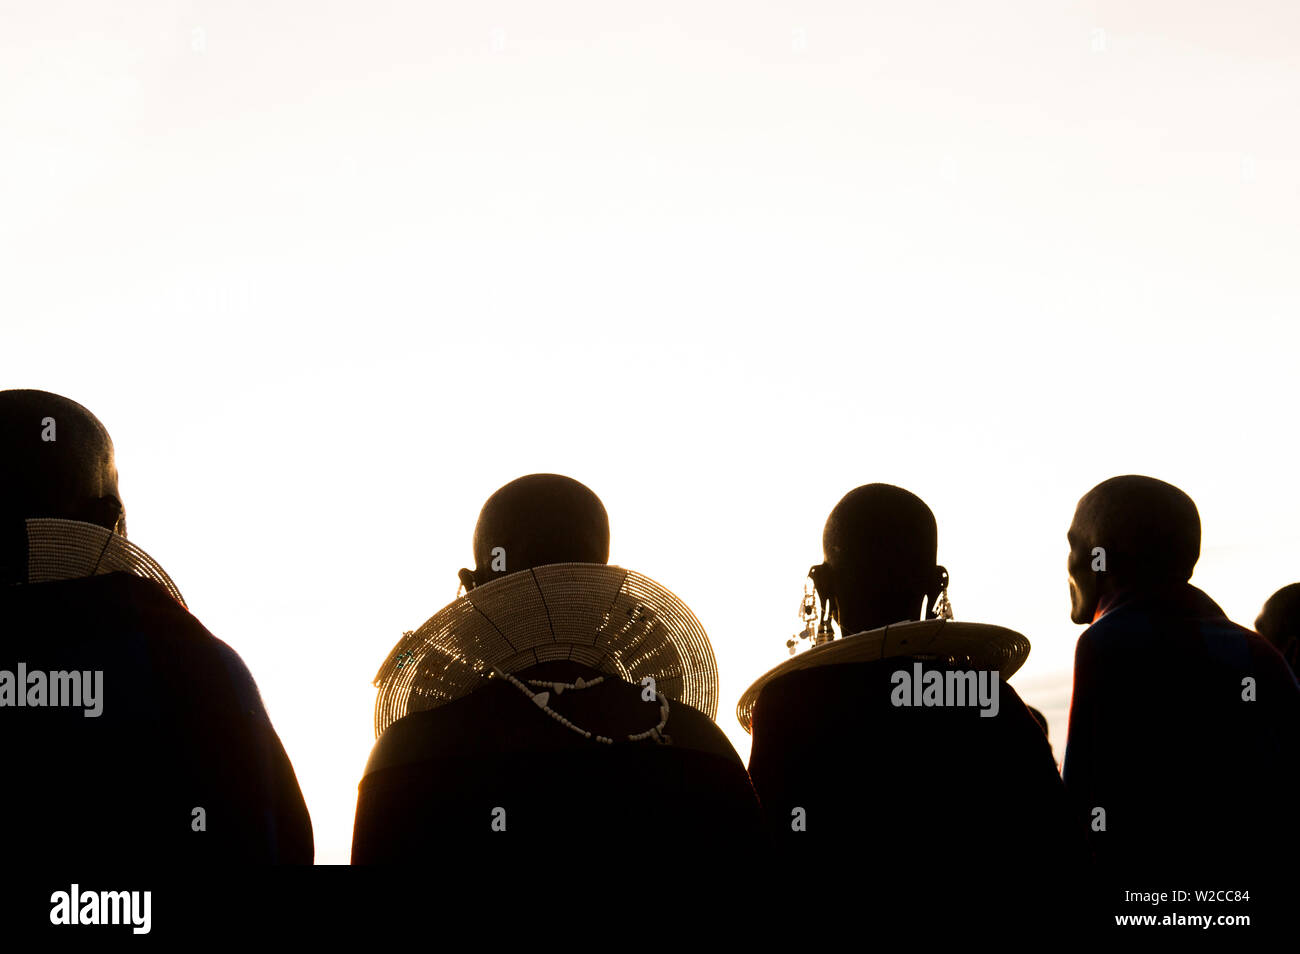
{"type": "Point", "coordinates": [1279, 622]}
{"type": "Point", "coordinates": [881, 541]}
{"type": "Point", "coordinates": [881, 529]}
{"type": "Point", "coordinates": [58, 463]}
{"type": "Point", "coordinates": [1150, 530]}
{"type": "Point", "coordinates": [538, 520]}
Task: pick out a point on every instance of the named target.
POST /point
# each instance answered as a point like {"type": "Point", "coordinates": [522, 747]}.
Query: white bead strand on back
{"type": "Point", "coordinates": [559, 687]}
{"type": "Point", "coordinates": [541, 699]}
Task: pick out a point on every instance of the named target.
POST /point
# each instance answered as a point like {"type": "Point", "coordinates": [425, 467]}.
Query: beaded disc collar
{"type": "Point", "coordinates": [606, 617]}
{"type": "Point", "coordinates": [70, 550]}
{"type": "Point", "coordinates": [969, 645]}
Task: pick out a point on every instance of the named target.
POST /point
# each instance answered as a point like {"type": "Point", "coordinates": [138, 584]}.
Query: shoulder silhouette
{"type": "Point", "coordinates": [1183, 724]}
{"type": "Point", "coordinates": [543, 740]}
{"type": "Point", "coordinates": [141, 736]}
{"type": "Point", "coordinates": [874, 757]}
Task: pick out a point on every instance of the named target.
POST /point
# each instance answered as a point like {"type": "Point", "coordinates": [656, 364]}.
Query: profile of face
{"type": "Point", "coordinates": [1130, 534]}
{"type": "Point", "coordinates": [1084, 583]}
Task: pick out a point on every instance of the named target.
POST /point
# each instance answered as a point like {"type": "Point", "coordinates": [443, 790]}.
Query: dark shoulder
{"type": "Point", "coordinates": [180, 645]}
{"type": "Point", "coordinates": [849, 693]}
{"type": "Point", "coordinates": [132, 598]}
{"type": "Point", "coordinates": [690, 728]}
{"type": "Point", "coordinates": [465, 726]}
{"type": "Point", "coordinates": [815, 682]}
{"type": "Point", "coordinates": [119, 606]}
{"type": "Point", "coordinates": [1268, 662]}
{"type": "Point", "coordinates": [496, 719]}
{"type": "Point", "coordinates": [827, 700]}
{"type": "Point", "coordinates": [105, 593]}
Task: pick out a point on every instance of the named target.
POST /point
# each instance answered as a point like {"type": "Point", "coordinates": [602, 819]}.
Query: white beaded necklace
{"type": "Point", "coordinates": [559, 687]}
{"type": "Point", "coordinates": [542, 698]}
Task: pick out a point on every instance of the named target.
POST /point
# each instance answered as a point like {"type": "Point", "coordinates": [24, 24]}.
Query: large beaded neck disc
{"type": "Point", "coordinates": [60, 549]}
{"type": "Point", "coordinates": [965, 645]}
{"type": "Point", "coordinates": [607, 618]}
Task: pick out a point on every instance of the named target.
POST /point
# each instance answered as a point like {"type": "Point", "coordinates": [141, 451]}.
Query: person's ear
{"type": "Point", "coordinates": [940, 579]}
{"type": "Point", "coordinates": [467, 579]}
{"type": "Point", "coordinates": [106, 512]}
{"type": "Point", "coordinates": [823, 577]}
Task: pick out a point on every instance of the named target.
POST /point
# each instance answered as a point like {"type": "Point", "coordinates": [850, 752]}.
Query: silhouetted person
{"type": "Point", "coordinates": [173, 760]}
{"type": "Point", "coordinates": [1040, 719]}
{"type": "Point", "coordinates": [436, 777]}
{"type": "Point", "coordinates": [1279, 623]}
{"type": "Point", "coordinates": [968, 805]}
{"type": "Point", "coordinates": [1183, 725]}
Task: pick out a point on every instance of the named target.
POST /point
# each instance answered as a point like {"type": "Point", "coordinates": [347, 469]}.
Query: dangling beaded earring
{"type": "Point", "coordinates": [824, 587]}
{"type": "Point", "coordinates": [825, 630]}
{"type": "Point", "coordinates": [808, 614]}
{"type": "Point", "coordinates": [942, 606]}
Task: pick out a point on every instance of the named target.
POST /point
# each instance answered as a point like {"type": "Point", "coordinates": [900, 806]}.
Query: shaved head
{"type": "Point", "coordinates": [881, 542]}
{"type": "Point", "coordinates": [59, 459]}
{"type": "Point", "coordinates": [538, 520]}
{"type": "Point", "coordinates": [880, 525]}
{"type": "Point", "coordinates": [58, 462]}
{"type": "Point", "coordinates": [1144, 532]}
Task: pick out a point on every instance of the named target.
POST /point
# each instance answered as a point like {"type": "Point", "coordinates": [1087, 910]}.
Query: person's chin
{"type": "Point", "coordinates": [1078, 612]}
{"type": "Point", "coordinates": [1081, 614]}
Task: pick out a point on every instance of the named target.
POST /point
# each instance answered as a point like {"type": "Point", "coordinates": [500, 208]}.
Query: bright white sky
{"type": "Point", "coordinates": [331, 273]}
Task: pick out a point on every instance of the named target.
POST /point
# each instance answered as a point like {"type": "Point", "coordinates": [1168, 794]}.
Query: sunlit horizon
{"type": "Point", "coordinates": [332, 276]}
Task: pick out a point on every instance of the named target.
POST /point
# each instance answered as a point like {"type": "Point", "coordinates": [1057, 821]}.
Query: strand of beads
{"type": "Point", "coordinates": [656, 732]}
{"type": "Point", "coordinates": [559, 687]}
{"type": "Point", "coordinates": [542, 698]}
